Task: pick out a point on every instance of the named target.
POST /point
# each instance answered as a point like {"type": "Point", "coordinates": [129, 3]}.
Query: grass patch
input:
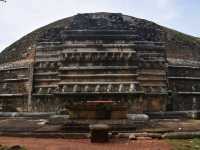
{"type": "Point", "coordinates": [12, 148]}
{"type": "Point", "coordinates": [191, 144]}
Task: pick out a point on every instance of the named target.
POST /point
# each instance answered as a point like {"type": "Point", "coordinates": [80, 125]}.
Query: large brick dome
{"type": "Point", "coordinates": [132, 64]}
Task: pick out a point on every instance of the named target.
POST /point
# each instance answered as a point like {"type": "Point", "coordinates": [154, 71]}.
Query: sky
{"type": "Point", "coordinates": [20, 17]}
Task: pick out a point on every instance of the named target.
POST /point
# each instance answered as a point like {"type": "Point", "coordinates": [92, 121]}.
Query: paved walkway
{"type": "Point", "coordinates": [66, 144]}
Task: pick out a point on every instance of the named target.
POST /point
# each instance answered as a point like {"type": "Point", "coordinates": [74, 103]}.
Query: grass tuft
{"type": "Point", "coordinates": [191, 144]}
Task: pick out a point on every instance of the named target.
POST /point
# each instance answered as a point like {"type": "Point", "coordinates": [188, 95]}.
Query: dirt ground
{"type": "Point", "coordinates": [83, 144]}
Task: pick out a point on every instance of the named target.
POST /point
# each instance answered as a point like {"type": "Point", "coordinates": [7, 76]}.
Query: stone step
{"type": "Point", "coordinates": [13, 95]}
{"type": "Point", "coordinates": [153, 85]}
{"type": "Point", "coordinates": [151, 79]}
{"type": "Point", "coordinates": [98, 52]}
{"type": "Point", "coordinates": [96, 83]}
{"type": "Point", "coordinates": [174, 115]}
{"type": "Point", "coordinates": [27, 114]}
{"type": "Point", "coordinates": [47, 80]}
{"type": "Point", "coordinates": [184, 67]}
{"type": "Point", "coordinates": [47, 59]}
{"type": "Point", "coordinates": [13, 68]}
{"type": "Point", "coordinates": [183, 78]}
{"type": "Point", "coordinates": [153, 73]}
{"type": "Point", "coordinates": [14, 80]}
{"type": "Point", "coordinates": [46, 74]}
{"type": "Point", "coordinates": [134, 44]}
{"type": "Point", "coordinates": [96, 75]}
{"type": "Point", "coordinates": [46, 86]}
{"type": "Point", "coordinates": [99, 37]}
{"type": "Point", "coordinates": [188, 93]}
{"type": "Point", "coordinates": [99, 68]}
{"type": "Point", "coordinates": [85, 45]}
{"type": "Point", "coordinates": [99, 31]}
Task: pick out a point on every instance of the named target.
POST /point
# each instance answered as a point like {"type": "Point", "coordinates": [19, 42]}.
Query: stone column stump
{"type": "Point", "coordinates": [99, 133]}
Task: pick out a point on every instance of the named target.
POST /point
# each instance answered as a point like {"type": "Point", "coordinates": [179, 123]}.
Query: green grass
{"type": "Point", "coordinates": [191, 144]}
{"type": "Point", "coordinates": [8, 148]}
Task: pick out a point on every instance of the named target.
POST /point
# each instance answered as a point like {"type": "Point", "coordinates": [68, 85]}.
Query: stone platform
{"type": "Point", "coordinates": [156, 128]}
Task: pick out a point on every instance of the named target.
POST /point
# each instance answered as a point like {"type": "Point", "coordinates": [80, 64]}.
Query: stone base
{"type": "Point", "coordinates": [175, 115]}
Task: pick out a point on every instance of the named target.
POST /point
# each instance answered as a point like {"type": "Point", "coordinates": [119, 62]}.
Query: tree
{"type": "Point", "coordinates": [3, 1]}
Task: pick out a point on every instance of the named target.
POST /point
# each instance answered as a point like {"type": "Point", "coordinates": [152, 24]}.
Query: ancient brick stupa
{"type": "Point", "coordinates": [101, 65]}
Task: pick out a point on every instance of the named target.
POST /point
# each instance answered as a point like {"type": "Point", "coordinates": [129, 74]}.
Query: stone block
{"type": "Point", "coordinates": [58, 119]}
{"type": "Point", "coordinates": [138, 117]}
{"type": "Point", "coordinates": [99, 133]}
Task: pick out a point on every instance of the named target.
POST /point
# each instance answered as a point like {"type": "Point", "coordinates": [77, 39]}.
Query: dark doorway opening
{"type": "Point", "coordinates": [103, 111]}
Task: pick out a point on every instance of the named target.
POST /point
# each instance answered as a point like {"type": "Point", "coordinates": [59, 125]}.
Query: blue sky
{"type": "Point", "coordinates": [19, 17]}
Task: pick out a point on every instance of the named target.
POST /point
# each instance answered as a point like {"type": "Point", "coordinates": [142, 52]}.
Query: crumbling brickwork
{"type": "Point", "coordinates": [94, 65]}
{"type": "Point", "coordinates": [101, 57]}
{"type": "Point", "coordinates": [14, 86]}
{"type": "Point", "coordinates": [184, 83]}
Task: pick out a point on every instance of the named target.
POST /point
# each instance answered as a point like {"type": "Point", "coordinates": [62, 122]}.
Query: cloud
{"type": "Point", "coordinates": [161, 11]}
{"type": "Point", "coordinates": [163, 3]}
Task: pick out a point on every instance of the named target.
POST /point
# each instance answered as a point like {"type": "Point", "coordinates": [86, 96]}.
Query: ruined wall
{"type": "Point", "coordinates": [14, 86]}
{"type": "Point", "coordinates": [101, 56]}
{"type": "Point", "coordinates": [99, 65]}
{"type": "Point", "coordinates": [152, 77]}
{"type": "Point", "coordinates": [184, 83]}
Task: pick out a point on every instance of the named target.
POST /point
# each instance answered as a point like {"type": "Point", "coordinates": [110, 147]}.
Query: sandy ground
{"type": "Point", "coordinates": [66, 144]}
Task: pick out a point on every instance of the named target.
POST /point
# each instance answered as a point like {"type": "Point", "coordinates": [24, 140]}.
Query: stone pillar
{"type": "Point", "coordinates": [75, 88]}
{"type": "Point", "coordinates": [132, 87]}
{"type": "Point", "coordinates": [109, 88]}
{"type": "Point", "coordinates": [31, 70]}
{"type": "Point", "coordinates": [97, 88]}
{"type": "Point", "coordinates": [120, 87]}
{"type": "Point", "coordinates": [99, 133]}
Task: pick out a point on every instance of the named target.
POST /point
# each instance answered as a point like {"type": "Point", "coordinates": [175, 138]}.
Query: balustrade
{"type": "Point", "coordinates": [98, 88]}
{"type": "Point", "coordinates": [96, 56]}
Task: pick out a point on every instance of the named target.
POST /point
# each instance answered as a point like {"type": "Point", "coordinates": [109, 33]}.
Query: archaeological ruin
{"type": "Point", "coordinates": [100, 65]}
